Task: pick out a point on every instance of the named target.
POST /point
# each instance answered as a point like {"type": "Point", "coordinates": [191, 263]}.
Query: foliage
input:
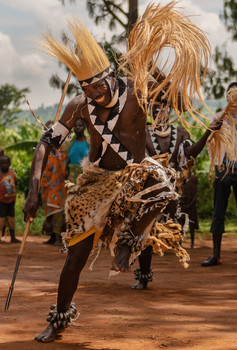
{"type": "Point", "coordinates": [110, 11]}
{"type": "Point", "coordinates": [58, 83]}
{"type": "Point", "coordinates": [10, 101]}
{"type": "Point", "coordinates": [229, 16]}
{"type": "Point", "coordinates": [19, 145]}
{"type": "Point", "coordinates": [36, 226]}
{"type": "Point", "coordinates": [63, 1]}
{"type": "Point", "coordinates": [217, 81]}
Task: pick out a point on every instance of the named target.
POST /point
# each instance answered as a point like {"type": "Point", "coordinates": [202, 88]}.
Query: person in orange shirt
{"type": "Point", "coordinates": [8, 182]}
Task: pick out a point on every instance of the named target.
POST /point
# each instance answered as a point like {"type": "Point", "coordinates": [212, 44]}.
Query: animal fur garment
{"type": "Point", "coordinates": [167, 236]}
{"type": "Point", "coordinates": [112, 199]}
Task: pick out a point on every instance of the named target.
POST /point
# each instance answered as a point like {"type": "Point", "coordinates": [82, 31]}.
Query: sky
{"type": "Point", "coordinates": [23, 21]}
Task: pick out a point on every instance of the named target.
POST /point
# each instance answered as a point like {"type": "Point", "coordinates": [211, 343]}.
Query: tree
{"type": "Point", "coordinates": [216, 82]}
{"type": "Point", "coordinates": [10, 101]}
{"type": "Point", "coordinates": [229, 15]}
{"type": "Point", "coordinates": [113, 12]}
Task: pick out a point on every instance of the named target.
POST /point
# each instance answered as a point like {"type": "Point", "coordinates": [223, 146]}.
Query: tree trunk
{"type": "Point", "coordinates": [132, 14]}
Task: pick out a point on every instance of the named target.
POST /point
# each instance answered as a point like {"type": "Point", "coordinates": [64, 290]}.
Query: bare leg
{"type": "Point", "coordinates": [75, 261]}
{"type": "Point", "coordinates": [192, 234]}
{"type": "Point", "coordinates": [145, 269]}
{"type": "Point", "coordinates": [121, 260]}
{"type": "Point", "coordinates": [13, 237]}
{"type": "Point", "coordinates": [123, 252]}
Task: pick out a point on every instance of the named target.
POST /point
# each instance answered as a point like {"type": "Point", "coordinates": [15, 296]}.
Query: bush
{"type": "Point", "coordinates": [36, 226]}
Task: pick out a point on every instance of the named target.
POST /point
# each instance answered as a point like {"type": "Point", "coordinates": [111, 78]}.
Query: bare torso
{"type": "Point", "coordinates": [130, 129]}
{"type": "Point", "coordinates": [164, 143]}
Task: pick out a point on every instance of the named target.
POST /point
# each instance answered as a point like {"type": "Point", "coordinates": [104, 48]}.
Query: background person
{"type": "Point", "coordinates": [174, 140]}
{"type": "Point", "coordinates": [8, 182]}
{"type": "Point", "coordinates": [2, 239]}
{"type": "Point", "coordinates": [78, 150]}
{"type": "Point", "coordinates": [188, 204]}
{"type": "Point", "coordinates": [225, 179]}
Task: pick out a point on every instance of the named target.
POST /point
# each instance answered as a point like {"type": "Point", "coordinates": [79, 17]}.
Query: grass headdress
{"type": "Point", "coordinates": [88, 62]}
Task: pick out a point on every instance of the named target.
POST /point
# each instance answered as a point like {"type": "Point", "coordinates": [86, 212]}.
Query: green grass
{"type": "Point", "coordinates": [204, 228]}
{"type": "Point", "coordinates": [36, 226]}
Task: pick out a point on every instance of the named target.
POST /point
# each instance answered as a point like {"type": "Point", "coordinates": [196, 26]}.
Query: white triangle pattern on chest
{"type": "Point", "coordinates": [173, 140]}
{"type": "Point", "coordinates": [106, 129]}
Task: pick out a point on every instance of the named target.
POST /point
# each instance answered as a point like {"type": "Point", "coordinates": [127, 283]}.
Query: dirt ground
{"type": "Point", "coordinates": [182, 309]}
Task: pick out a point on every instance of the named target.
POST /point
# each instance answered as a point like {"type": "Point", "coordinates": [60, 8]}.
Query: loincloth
{"type": "Point", "coordinates": [108, 201]}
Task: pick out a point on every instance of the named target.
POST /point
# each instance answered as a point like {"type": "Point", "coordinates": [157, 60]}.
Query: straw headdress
{"type": "Point", "coordinates": [87, 61]}
{"type": "Point", "coordinates": [159, 28]}
{"type": "Point", "coordinates": [225, 140]}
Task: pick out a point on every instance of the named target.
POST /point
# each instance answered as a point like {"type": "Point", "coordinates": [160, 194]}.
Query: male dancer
{"type": "Point", "coordinates": [174, 140]}
{"type": "Point", "coordinates": [115, 116]}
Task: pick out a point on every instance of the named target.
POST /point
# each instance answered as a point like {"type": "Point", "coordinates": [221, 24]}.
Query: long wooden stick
{"type": "Point", "coordinates": [8, 300]}
{"type": "Point", "coordinates": [27, 227]}
{"type": "Point", "coordinates": [63, 96]}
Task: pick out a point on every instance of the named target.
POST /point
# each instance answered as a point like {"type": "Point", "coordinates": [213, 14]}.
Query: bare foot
{"type": "Point", "coordinates": [121, 260]}
{"type": "Point", "coordinates": [49, 334]}
{"type": "Point", "coordinates": [139, 286]}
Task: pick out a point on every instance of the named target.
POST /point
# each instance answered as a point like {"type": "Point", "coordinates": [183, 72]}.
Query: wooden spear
{"type": "Point", "coordinates": [27, 227]}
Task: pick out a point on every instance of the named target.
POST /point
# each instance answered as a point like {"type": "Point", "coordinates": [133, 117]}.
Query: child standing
{"type": "Point", "coordinates": [8, 183]}
{"type": "Point", "coordinates": [2, 239]}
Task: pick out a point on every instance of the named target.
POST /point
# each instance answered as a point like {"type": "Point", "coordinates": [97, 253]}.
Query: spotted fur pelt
{"type": "Point", "coordinates": [103, 198]}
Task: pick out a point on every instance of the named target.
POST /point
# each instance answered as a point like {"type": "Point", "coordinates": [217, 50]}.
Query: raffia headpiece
{"type": "Point", "coordinates": [225, 140]}
{"type": "Point", "coordinates": [159, 28]}
{"type": "Point", "coordinates": [89, 62]}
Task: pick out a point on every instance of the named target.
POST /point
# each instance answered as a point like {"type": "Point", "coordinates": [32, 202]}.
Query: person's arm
{"type": "Point", "coordinates": [38, 165]}
{"type": "Point", "coordinates": [149, 145]}
{"type": "Point", "coordinates": [54, 137]}
{"type": "Point", "coordinates": [195, 149]}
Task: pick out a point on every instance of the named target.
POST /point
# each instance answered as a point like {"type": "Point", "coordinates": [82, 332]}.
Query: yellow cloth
{"type": "Point", "coordinates": [78, 237]}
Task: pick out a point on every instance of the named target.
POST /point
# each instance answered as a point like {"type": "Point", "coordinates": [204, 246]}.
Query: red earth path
{"type": "Point", "coordinates": [182, 309]}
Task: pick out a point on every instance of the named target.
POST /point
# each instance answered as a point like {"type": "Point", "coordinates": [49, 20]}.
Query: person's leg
{"type": "Point", "coordinates": [192, 233]}
{"type": "Point", "coordinates": [59, 227]}
{"type": "Point", "coordinates": [11, 222]}
{"type": "Point", "coordinates": [3, 214]}
{"type": "Point", "coordinates": [48, 230]}
{"type": "Point", "coordinates": [222, 187]}
{"type": "Point", "coordinates": [75, 261]}
{"type": "Point", "coordinates": [3, 231]}
{"type": "Point", "coordinates": [13, 237]}
{"type": "Point", "coordinates": [144, 273]}
{"type": "Point", "coordinates": [234, 183]}
{"type": "Point", "coordinates": [138, 227]}
{"type": "Point", "coordinates": [3, 239]}
{"type": "Point", "coordinates": [52, 238]}
{"type": "Point", "coordinates": [216, 238]}
{"type": "Point", "coordinates": [58, 240]}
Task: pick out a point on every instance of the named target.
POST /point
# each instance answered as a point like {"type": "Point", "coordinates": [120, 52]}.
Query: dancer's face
{"type": "Point", "coordinates": [99, 92]}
